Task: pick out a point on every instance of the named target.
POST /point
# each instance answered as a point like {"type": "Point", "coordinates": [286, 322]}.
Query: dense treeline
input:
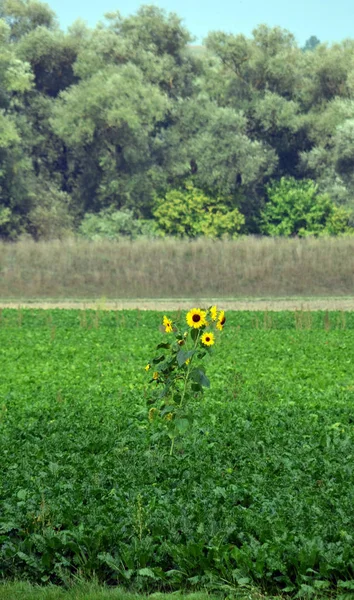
{"type": "Point", "coordinates": [128, 128]}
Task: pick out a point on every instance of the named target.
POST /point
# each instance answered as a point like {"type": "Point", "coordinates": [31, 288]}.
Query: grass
{"type": "Point", "coordinates": [259, 494]}
{"type": "Point", "coordinates": [248, 267]}
{"type": "Point", "coordinates": [85, 591]}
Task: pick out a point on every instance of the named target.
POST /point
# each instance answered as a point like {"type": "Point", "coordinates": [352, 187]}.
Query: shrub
{"type": "Point", "coordinates": [297, 208]}
{"type": "Point", "coordinates": [112, 224]}
{"type": "Point", "coordinates": [50, 217]}
{"type": "Point", "coordinates": [191, 213]}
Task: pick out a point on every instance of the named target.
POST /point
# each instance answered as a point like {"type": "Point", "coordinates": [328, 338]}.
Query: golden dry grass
{"type": "Point", "coordinates": [248, 267]}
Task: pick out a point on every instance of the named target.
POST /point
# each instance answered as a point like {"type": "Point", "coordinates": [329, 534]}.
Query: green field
{"type": "Point", "coordinates": [259, 494]}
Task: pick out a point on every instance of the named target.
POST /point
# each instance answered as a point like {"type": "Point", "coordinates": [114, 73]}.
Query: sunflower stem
{"type": "Point", "coordinates": [186, 378]}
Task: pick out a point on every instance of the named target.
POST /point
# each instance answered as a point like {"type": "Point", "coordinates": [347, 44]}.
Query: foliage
{"type": "Point", "coordinates": [297, 208]}
{"type": "Point", "coordinates": [191, 213]}
{"type": "Point", "coordinates": [114, 116]}
{"type": "Point", "coordinates": [111, 225]}
{"type": "Point", "coordinates": [311, 43]}
{"type": "Point", "coordinates": [111, 132]}
{"type": "Point", "coordinates": [259, 493]}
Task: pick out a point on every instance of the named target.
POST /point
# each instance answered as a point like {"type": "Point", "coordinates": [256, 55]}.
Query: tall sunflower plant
{"type": "Point", "coordinates": [177, 372]}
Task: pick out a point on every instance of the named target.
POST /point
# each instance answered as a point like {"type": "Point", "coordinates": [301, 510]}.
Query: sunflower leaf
{"type": "Point", "coordinates": [199, 376]}
{"type": "Point", "coordinates": [194, 334]}
{"type": "Point", "coordinates": [183, 355]}
{"type": "Point", "coordinates": [196, 387]}
{"type": "Point", "coordinates": [158, 359]}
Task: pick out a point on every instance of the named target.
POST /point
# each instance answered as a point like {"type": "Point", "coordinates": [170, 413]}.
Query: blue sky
{"type": "Point", "coordinates": [328, 19]}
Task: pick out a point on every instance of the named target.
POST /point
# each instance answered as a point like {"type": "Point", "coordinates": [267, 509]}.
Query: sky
{"type": "Point", "coordinates": [329, 20]}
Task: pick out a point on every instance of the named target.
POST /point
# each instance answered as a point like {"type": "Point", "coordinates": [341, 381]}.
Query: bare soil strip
{"type": "Point", "coordinates": [305, 304]}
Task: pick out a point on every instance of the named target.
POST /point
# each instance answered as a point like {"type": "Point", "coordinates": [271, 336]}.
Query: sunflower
{"type": "Point", "coordinates": [155, 375]}
{"type": "Point", "coordinates": [208, 338]}
{"type": "Point", "coordinates": [196, 318]}
{"type": "Point", "coordinates": [167, 323]}
{"type": "Point", "coordinates": [147, 367]}
{"type": "Point", "coordinates": [221, 321]}
{"type": "Point", "coordinates": [214, 313]}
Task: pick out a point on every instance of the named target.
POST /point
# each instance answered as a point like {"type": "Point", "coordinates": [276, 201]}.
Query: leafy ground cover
{"type": "Point", "coordinates": [259, 494]}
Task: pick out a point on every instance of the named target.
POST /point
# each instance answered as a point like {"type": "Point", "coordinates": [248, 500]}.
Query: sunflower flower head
{"type": "Point", "coordinates": [196, 318]}
{"type": "Point", "coordinates": [167, 323]}
{"type": "Point", "coordinates": [147, 367]}
{"type": "Point", "coordinates": [208, 338]}
{"type": "Point", "coordinates": [155, 375]}
{"type": "Point", "coordinates": [214, 313]}
{"type": "Point", "coordinates": [221, 320]}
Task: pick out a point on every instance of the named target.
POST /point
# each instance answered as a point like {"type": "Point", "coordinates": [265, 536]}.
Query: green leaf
{"type": "Point", "coordinates": [22, 494]}
{"type": "Point", "coordinates": [196, 387]}
{"type": "Point", "coordinates": [145, 572]}
{"type": "Point", "coordinates": [194, 334]}
{"type": "Point", "coordinates": [158, 359]}
{"type": "Point", "coordinates": [182, 356]}
{"type": "Point", "coordinates": [167, 409]}
{"type": "Point", "coordinates": [199, 376]}
{"type": "Point", "coordinates": [348, 585]}
{"type": "Point", "coordinates": [182, 425]}
{"type": "Point", "coordinates": [164, 345]}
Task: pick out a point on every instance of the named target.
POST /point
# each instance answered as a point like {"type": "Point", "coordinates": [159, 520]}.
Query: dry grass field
{"type": "Point", "coordinates": [245, 268]}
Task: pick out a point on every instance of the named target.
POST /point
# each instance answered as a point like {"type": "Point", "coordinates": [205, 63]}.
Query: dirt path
{"type": "Point", "coordinates": [171, 305]}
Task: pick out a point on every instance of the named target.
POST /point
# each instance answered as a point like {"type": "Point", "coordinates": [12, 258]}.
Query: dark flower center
{"type": "Point", "coordinates": [222, 321]}
{"type": "Point", "coordinates": [207, 339]}
{"type": "Point", "coordinates": [196, 318]}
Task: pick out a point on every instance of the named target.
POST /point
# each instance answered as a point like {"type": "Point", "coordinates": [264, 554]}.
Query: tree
{"type": "Point", "coordinates": [107, 120]}
{"type": "Point", "coordinates": [16, 172]}
{"type": "Point", "coordinates": [311, 43]}
{"type": "Point", "coordinates": [24, 16]}
{"type": "Point", "coordinates": [297, 208]}
{"type": "Point", "coordinates": [190, 213]}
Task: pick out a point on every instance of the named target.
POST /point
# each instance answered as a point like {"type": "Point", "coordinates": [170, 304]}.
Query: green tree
{"type": "Point", "coordinates": [311, 43]}
{"type": "Point", "coordinates": [41, 204]}
{"type": "Point", "coordinates": [190, 213]}
{"type": "Point", "coordinates": [297, 208]}
{"type": "Point", "coordinates": [330, 160]}
{"type": "Point", "coordinates": [209, 144]}
{"type": "Point", "coordinates": [24, 16]}
{"type": "Point", "coordinates": [16, 169]}
{"type": "Point", "coordinates": [249, 75]}
{"type": "Point", "coordinates": [107, 121]}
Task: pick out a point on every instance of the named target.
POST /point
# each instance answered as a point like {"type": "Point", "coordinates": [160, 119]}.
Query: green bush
{"type": "Point", "coordinates": [191, 213]}
{"type": "Point", "coordinates": [50, 217]}
{"type": "Point", "coordinates": [113, 224]}
{"type": "Point", "coordinates": [297, 208]}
